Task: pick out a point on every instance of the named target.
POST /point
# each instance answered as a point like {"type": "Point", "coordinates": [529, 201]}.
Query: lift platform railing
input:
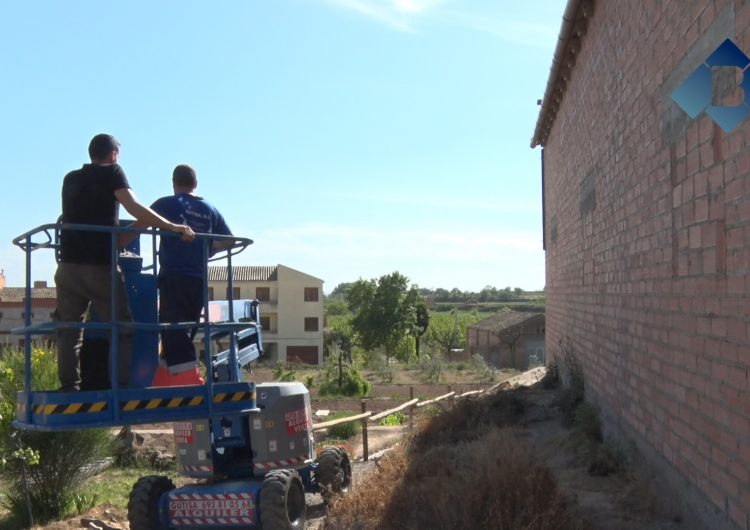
{"type": "Point", "coordinates": [116, 407]}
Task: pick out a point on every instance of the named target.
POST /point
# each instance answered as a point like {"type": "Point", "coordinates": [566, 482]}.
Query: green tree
{"type": "Point", "coordinates": [448, 331]}
{"type": "Point", "coordinates": [384, 311]}
{"type": "Point", "coordinates": [335, 306]}
{"type": "Point", "coordinates": [340, 290]}
{"type": "Point", "coordinates": [422, 322]}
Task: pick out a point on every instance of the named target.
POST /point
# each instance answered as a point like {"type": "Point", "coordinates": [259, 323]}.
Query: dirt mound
{"type": "Point", "coordinates": [503, 461]}
{"type": "Point", "coordinates": [466, 468]}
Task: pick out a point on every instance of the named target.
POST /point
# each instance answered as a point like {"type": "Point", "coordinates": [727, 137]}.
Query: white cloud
{"type": "Point", "coordinates": [404, 15]}
{"type": "Point", "coordinates": [376, 11]}
{"type": "Point", "coordinates": [512, 30]}
{"type": "Point", "coordinates": [397, 14]}
{"type": "Point", "coordinates": [416, 7]}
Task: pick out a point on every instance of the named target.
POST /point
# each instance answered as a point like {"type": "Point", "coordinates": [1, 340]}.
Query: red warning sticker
{"type": "Point", "coordinates": [183, 433]}
{"type": "Point", "coordinates": [297, 421]}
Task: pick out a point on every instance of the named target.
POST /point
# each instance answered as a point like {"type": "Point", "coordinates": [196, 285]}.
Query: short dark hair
{"type": "Point", "coordinates": [102, 145]}
{"type": "Point", "coordinates": [184, 176]}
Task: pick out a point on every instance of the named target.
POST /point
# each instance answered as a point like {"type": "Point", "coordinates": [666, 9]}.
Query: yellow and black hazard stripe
{"type": "Point", "coordinates": [227, 397]}
{"type": "Point", "coordinates": [71, 408]}
{"type": "Point", "coordinates": [161, 403]}
{"type": "Point", "coordinates": [177, 402]}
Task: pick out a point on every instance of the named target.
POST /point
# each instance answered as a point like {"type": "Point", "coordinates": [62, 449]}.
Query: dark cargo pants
{"type": "Point", "coordinates": [79, 285]}
{"type": "Point", "coordinates": [180, 300]}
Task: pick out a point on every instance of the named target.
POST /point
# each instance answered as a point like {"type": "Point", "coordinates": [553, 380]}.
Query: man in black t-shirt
{"type": "Point", "coordinates": [91, 195]}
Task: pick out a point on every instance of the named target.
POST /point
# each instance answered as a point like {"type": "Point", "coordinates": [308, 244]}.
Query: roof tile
{"type": "Point", "coordinates": [243, 273]}
{"type": "Point", "coordinates": [505, 320]}
{"type": "Point", "coordinates": [17, 294]}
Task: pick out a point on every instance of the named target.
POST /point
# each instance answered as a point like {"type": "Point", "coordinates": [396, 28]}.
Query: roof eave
{"type": "Point", "coordinates": [572, 30]}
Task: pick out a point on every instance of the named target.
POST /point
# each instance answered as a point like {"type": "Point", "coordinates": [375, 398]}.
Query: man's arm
{"type": "Point", "coordinates": [125, 238]}
{"type": "Point", "coordinates": [145, 216]}
{"type": "Point", "coordinates": [224, 244]}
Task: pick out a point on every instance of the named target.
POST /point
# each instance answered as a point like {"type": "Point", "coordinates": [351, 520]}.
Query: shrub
{"type": "Point", "coordinates": [485, 372]}
{"type": "Point", "coordinates": [431, 367]}
{"type": "Point", "coordinates": [574, 391]}
{"type": "Point", "coordinates": [397, 418]}
{"type": "Point", "coordinates": [552, 378]}
{"type": "Point", "coordinates": [64, 458]}
{"type": "Point", "coordinates": [284, 372]}
{"type": "Point", "coordinates": [344, 431]}
{"type": "Point", "coordinates": [382, 367]}
{"type": "Point", "coordinates": [495, 482]}
{"type": "Point", "coordinates": [587, 422]}
{"type": "Point", "coordinates": [342, 379]}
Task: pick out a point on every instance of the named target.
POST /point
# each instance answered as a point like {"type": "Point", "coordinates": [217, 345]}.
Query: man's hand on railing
{"type": "Point", "coordinates": [186, 231]}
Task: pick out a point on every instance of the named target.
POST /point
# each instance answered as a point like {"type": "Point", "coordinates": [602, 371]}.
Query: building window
{"type": "Point", "coordinates": [311, 323]}
{"type": "Point", "coordinates": [235, 293]}
{"type": "Point", "coordinates": [311, 294]}
{"type": "Point", "coordinates": [265, 323]}
{"type": "Point", "coordinates": [210, 293]}
{"type": "Point", "coordinates": [263, 294]}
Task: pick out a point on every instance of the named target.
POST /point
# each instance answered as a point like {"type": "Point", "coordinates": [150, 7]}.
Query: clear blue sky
{"type": "Point", "coordinates": [348, 138]}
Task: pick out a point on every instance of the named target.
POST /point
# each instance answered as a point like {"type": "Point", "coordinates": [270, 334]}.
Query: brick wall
{"type": "Point", "coordinates": [648, 246]}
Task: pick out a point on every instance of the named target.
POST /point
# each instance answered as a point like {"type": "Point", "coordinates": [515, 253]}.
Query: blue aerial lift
{"type": "Point", "coordinates": [251, 445]}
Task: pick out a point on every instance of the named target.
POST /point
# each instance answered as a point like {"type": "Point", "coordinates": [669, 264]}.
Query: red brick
{"type": "Point", "coordinates": [743, 211]}
{"type": "Point", "coordinates": [735, 237]}
{"type": "Point", "coordinates": [743, 164]}
{"type": "Point", "coordinates": [716, 178]}
{"type": "Point", "coordinates": [734, 190]}
{"type": "Point", "coordinates": [693, 162]}
{"type": "Point", "coordinates": [737, 377]}
{"type": "Point", "coordinates": [736, 330]}
{"type": "Point", "coordinates": [701, 209]}
{"type": "Point", "coordinates": [694, 236]}
{"type": "Point", "coordinates": [707, 155]}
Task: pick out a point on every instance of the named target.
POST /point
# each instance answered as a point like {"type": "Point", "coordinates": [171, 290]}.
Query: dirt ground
{"type": "Point", "coordinates": [614, 502]}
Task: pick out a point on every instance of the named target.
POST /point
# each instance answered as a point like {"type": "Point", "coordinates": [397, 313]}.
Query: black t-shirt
{"type": "Point", "coordinates": [88, 197]}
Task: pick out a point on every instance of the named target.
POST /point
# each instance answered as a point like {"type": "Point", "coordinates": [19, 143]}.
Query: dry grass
{"type": "Point", "coordinates": [465, 469]}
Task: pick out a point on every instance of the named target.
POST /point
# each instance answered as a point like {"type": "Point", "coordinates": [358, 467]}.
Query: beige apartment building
{"type": "Point", "coordinates": [291, 308]}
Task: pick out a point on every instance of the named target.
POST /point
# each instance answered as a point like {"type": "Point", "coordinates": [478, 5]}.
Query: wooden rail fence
{"type": "Point", "coordinates": [413, 403]}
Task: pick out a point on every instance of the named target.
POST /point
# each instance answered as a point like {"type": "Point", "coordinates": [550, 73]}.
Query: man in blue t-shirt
{"type": "Point", "coordinates": [181, 266]}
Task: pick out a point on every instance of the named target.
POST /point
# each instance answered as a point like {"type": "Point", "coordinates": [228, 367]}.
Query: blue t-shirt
{"type": "Point", "coordinates": [175, 255]}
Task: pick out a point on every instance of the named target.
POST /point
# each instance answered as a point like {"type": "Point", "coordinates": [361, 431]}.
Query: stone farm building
{"type": "Point", "coordinates": [509, 339]}
{"type": "Point", "coordinates": [647, 236]}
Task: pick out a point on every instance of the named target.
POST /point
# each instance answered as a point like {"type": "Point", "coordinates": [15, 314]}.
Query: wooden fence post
{"type": "Point", "coordinates": [365, 449]}
{"type": "Point", "coordinates": [411, 409]}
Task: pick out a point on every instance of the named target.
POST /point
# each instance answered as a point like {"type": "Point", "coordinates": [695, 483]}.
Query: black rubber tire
{"type": "Point", "coordinates": [334, 472]}
{"type": "Point", "coordinates": [143, 504]}
{"type": "Point", "coordinates": [282, 501]}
